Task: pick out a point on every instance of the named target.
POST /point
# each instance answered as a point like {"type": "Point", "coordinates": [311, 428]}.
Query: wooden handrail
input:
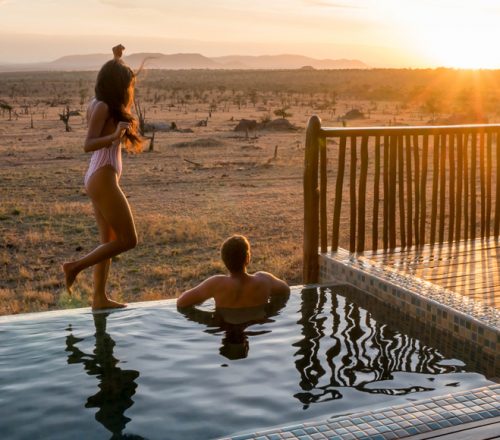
{"type": "Point", "coordinates": [439, 183]}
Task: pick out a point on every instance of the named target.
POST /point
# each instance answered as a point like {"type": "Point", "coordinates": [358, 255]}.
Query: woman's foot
{"type": "Point", "coordinates": [70, 274]}
{"type": "Point", "coordinates": [106, 303]}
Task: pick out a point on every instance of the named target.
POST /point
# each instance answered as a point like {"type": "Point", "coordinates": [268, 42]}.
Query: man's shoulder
{"type": "Point", "coordinates": [218, 279]}
{"type": "Point", "coordinates": [264, 275]}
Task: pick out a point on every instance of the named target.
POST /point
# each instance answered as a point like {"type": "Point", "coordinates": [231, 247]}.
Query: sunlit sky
{"type": "Point", "coordinates": [382, 33]}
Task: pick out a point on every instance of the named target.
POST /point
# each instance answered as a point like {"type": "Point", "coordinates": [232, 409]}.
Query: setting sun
{"type": "Point", "coordinates": [452, 34]}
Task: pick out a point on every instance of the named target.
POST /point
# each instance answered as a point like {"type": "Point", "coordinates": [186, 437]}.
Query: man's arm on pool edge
{"type": "Point", "coordinates": [198, 294]}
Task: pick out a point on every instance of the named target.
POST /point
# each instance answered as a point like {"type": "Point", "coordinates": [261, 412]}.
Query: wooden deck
{"type": "Point", "coordinates": [469, 268]}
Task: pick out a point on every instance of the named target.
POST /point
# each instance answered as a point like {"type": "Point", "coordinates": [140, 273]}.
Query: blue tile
{"type": "Point", "coordinates": [274, 436]}
{"type": "Point", "coordinates": [310, 430]}
{"type": "Point", "coordinates": [455, 421]}
{"type": "Point", "coordinates": [434, 425]}
{"type": "Point", "coordinates": [475, 416]}
{"type": "Point", "coordinates": [298, 432]}
{"type": "Point", "coordinates": [484, 414]}
{"type": "Point", "coordinates": [412, 430]}
{"type": "Point", "coordinates": [444, 424]}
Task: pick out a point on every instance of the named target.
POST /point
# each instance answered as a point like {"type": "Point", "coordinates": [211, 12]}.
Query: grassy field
{"type": "Point", "coordinates": [196, 187]}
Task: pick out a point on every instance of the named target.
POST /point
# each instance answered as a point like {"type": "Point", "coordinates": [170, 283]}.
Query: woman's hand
{"type": "Point", "coordinates": [121, 128]}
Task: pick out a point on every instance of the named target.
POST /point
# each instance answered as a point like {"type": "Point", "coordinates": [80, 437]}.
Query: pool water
{"type": "Point", "coordinates": [153, 372]}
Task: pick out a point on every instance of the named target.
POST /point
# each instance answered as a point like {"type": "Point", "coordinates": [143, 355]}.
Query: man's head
{"type": "Point", "coordinates": [235, 253]}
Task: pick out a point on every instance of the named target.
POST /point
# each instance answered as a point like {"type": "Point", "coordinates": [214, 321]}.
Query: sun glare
{"type": "Point", "coordinates": [452, 47]}
{"type": "Point", "coordinates": [461, 36]}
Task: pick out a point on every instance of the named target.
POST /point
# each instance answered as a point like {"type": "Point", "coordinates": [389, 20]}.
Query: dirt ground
{"type": "Point", "coordinates": [195, 189]}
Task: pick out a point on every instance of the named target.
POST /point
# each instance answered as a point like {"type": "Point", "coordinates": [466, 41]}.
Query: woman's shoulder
{"type": "Point", "coordinates": [95, 103]}
{"type": "Point", "coordinates": [97, 107]}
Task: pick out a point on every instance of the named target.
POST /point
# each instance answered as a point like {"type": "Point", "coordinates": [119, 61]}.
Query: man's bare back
{"type": "Point", "coordinates": [235, 290]}
{"type": "Point", "coordinates": [239, 289]}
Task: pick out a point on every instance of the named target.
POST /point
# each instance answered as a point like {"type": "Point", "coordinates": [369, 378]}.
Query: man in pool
{"type": "Point", "coordinates": [239, 289]}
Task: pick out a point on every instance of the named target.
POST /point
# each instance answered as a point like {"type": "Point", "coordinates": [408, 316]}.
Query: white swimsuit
{"type": "Point", "coordinates": [111, 155]}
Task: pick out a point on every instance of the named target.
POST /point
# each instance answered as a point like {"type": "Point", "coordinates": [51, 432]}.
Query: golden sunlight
{"type": "Point", "coordinates": [461, 36]}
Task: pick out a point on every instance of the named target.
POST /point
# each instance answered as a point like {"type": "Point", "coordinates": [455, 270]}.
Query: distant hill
{"type": "Point", "coordinates": [285, 62]}
{"type": "Point", "coordinates": [189, 61]}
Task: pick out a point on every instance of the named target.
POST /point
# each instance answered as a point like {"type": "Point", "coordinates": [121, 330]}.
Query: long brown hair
{"type": "Point", "coordinates": [115, 86]}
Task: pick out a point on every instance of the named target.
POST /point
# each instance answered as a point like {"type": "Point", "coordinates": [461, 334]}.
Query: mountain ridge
{"type": "Point", "coordinates": [180, 61]}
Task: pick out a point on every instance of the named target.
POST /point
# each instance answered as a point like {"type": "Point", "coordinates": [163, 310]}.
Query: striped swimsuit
{"type": "Point", "coordinates": [111, 155]}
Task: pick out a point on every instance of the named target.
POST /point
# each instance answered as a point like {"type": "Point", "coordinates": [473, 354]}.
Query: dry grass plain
{"type": "Point", "coordinates": [187, 195]}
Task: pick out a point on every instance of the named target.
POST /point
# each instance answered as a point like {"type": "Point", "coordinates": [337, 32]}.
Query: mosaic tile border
{"type": "Point", "coordinates": [394, 422]}
{"type": "Point", "coordinates": [425, 301]}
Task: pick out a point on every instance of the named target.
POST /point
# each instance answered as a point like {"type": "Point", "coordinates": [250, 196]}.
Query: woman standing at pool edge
{"type": "Point", "coordinates": [110, 125]}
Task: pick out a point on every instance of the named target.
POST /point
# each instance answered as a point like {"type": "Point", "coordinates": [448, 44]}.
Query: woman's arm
{"type": "Point", "coordinates": [98, 118]}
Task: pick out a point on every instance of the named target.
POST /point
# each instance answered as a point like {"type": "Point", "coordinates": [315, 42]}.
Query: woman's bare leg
{"type": "Point", "coordinates": [112, 204]}
{"type": "Point", "coordinates": [100, 299]}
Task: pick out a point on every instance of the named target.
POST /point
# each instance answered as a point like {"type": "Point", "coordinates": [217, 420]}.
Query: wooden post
{"type": "Point", "coordinates": [473, 169]}
{"type": "Point", "coordinates": [489, 160]}
{"type": "Point", "coordinates": [409, 196]}
{"type": "Point", "coordinates": [362, 194]}
{"type": "Point", "coordinates": [435, 180]}
{"type": "Point", "coordinates": [393, 155]}
{"type": "Point", "coordinates": [482, 177]}
{"type": "Point", "coordinates": [401, 184]}
{"type": "Point", "coordinates": [386, 193]}
{"type": "Point", "coordinates": [460, 168]}
{"type": "Point", "coordinates": [416, 159]}
{"type": "Point", "coordinates": [423, 189]}
{"type": "Point", "coordinates": [339, 185]}
{"type": "Point", "coordinates": [466, 186]}
{"type": "Point", "coordinates": [451, 195]}
{"type": "Point", "coordinates": [322, 195]}
{"type": "Point", "coordinates": [311, 202]}
{"type": "Point", "coordinates": [376, 192]}
{"type": "Point", "coordinates": [442, 189]}
{"type": "Point", "coordinates": [497, 201]}
{"type": "Point", "coordinates": [352, 183]}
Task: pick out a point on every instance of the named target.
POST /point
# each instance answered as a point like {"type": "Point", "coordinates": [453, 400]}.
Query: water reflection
{"type": "Point", "coordinates": [116, 386]}
{"type": "Point", "coordinates": [234, 324]}
{"type": "Point", "coordinates": [344, 345]}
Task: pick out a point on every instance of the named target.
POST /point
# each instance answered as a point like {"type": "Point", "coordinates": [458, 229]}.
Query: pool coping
{"type": "Point", "coordinates": [81, 310]}
{"type": "Point", "coordinates": [393, 422]}
{"type": "Point", "coordinates": [442, 308]}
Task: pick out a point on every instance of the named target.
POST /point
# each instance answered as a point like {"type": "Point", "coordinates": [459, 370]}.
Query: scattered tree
{"type": "Point", "coordinates": [65, 115]}
{"type": "Point", "coordinates": [283, 112]}
{"type": "Point", "coordinates": [6, 107]}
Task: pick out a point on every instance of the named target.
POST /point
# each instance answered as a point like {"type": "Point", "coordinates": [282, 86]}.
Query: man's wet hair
{"type": "Point", "coordinates": [234, 253]}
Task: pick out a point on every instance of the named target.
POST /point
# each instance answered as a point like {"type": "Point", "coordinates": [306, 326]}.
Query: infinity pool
{"type": "Point", "coordinates": [152, 372]}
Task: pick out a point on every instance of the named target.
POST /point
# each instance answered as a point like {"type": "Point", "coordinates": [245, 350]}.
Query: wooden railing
{"type": "Point", "coordinates": [432, 184]}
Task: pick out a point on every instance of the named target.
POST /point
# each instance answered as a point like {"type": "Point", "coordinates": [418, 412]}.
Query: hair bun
{"type": "Point", "coordinates": [118, 50]}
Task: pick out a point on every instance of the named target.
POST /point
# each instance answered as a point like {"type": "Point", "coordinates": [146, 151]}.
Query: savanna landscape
{"type": "Point", "coordinates": [223, 154]}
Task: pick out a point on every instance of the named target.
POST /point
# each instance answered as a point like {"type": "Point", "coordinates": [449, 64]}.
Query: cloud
{"type": "Point", "coordinates": [124, 4]}
{"type": "Point", "coordinates": [330, 4]}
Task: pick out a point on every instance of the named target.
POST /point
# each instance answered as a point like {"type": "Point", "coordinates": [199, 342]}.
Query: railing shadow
{"type": "Point", "coordinates": [344, 345]}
